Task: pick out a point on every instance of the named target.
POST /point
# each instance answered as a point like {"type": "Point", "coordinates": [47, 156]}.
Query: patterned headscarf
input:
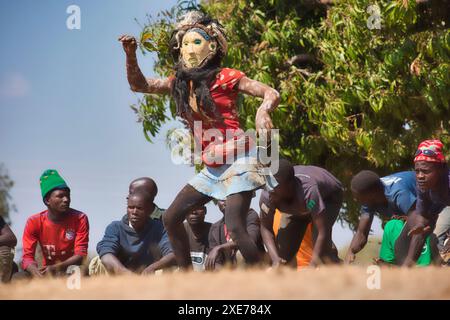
{"type": "Point", "coordinates": [430, 151]}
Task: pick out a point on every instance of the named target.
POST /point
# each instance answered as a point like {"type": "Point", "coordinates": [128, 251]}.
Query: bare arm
{"type": "Point", "coordinates": [271, 99]}
{"type": "Point", "coordinates": [165, 262]}
{"type": "Point", "coordinates": [360, 238]}
{"type": "Point", "coordinates": [136, 79]}
{"type": "Point", "coordinates": [268, 236]}
{"type": "Point", "coordinates": [113, 264]}
{"type": "Point", "coordinates": [419, 228]}
{"type": "Point", "coordinates": [62, 266]}
{"type": "Point", "coordinates": [7, 237]}
{"type": "Point", "coordinates": [323, 237]}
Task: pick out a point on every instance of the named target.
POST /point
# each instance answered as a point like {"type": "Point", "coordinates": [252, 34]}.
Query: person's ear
{"type": "Point", "coordinates": [213, 47]}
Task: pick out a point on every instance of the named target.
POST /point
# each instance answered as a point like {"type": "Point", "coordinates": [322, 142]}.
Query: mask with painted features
{"type": "Point", "coordinates": [197, 47]}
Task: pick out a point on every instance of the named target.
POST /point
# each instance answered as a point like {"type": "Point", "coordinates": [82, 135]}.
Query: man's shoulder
{"type": "Point", "coordinates": [406, 178]}
{"type": "Point", "coordinates": [114, 225]}
{"type": "Point", "coordinates": [34, 218]}
{"type": "Point", "coordinates": [77, 215]}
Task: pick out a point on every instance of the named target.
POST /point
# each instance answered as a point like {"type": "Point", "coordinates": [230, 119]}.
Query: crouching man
{"type": "Point", "coordinates": [136, 244]}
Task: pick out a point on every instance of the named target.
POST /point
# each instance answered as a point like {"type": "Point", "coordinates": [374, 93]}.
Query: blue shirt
{"type": "Point", "coordinates": [135, 250]}
{"type": "Point", "coordinates": [431, 202]}
{"type": "Point", "coordinates": [400, 192]}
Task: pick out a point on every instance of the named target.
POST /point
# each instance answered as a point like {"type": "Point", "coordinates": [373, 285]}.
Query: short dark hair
{"type": "Point", "coordinates": [285, 171]}
{"type": "Point", "coordinates": [143, 195]}
{"type": "Point", "coordinates": [366, 181]}
{"type": "Point", "coordinates": [145, 184]}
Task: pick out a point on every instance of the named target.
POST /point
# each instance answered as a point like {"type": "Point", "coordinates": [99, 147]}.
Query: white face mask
{"type": "Point", "coordinates": [195, 49]}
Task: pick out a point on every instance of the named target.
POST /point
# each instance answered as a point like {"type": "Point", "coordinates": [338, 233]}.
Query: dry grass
{"type": "Point", "coordinates": [325, 283]}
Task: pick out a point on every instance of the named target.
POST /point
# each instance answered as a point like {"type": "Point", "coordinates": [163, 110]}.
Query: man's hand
{"type": "Point", "coordinates": [421, 229]}
{"type": "Point", "coordinates": [278, 262]}
{"type": "Point", "coordinates": [48, 270]}
{"type": "Point", "coordinates": [210, 263]}
{"type": "Point", "coordinates": [150, 270]}
{"type": "Point", "coordinates": [129, 44]}
{"type": "Point", "coordinates": [33, 269]}
{"type": "Point", "coordinates": [350, 257]}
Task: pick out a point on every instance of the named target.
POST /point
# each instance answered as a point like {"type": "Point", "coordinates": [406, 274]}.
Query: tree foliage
{"type": "Point", "coordinates": [352, 97]}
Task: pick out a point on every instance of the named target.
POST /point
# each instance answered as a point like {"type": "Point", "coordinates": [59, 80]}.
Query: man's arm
{"type": "Point", "coordinates": [62, 266]}
{"type": "Point", "coordinates": [419, 226]}
{"type": "Point", "coordinates": [108, 249]}
{"type": "Point", "coordinates": [267, 234]}
{"type": "Point", "coordinates": [165, 262]}
{"type": "Point", "coordinates": [136, 79]}
{"type": "Point", "coordinates": [113, 265]}
{"type": "Point", "coordinates": [217, 252]}
{"type": "Point", "coordinates": [323, 237]}
{"type": "Point", "coordinates": [7, 237]}
{"type": "Point", "coordinates": [360, 238]}
{"type": "Point", "coordinates": [168, 257]}
{"type": "Point", "coordinates": [29, 243]}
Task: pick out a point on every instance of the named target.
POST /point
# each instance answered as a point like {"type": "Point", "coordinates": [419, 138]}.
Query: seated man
{"type": "Point", "coordinates": [392, 230]}
{"type": "Point", "coordinates": [61, 232]}
{"type": "Point", "coordinates": [8, 242]}
{"type": "Point", "coordinates": [304, 194]}
{"type": "Point", "coordinates": [147, 185]}
{"type": "Point", "coordinates": [223, 249]}
{"type": "Point", "coordinates": [136, 244]}
{"type": "Point", "coordinates": [391, 195]}
{"type": "Point", "coordinates": [433, 195]}
{"type": "Point", "coordinates": [198, 230]}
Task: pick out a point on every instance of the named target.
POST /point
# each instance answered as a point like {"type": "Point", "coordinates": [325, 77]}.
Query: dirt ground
{"type": "Point", "coordinates": [324, 283]}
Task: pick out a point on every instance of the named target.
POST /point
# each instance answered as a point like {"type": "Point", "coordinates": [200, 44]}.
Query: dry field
{"type": "Point", "coordinates": [324, 283]}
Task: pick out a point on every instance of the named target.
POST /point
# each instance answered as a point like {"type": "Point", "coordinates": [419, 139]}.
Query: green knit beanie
{"type": "Point", "coordinates": [51, 180]}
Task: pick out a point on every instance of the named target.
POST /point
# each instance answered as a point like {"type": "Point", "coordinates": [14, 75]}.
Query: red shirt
{"type": "Point", "coordinates": [59, 241]}
{"type": "Point", "coordinates": [224, 93]}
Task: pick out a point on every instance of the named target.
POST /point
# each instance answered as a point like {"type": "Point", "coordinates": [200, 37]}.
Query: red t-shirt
{"type": "Point", "coordinates": [59, 241]}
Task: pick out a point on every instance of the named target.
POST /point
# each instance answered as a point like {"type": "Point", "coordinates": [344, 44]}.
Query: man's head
{"type": "Point", "coordinates": [368, 189]}
{"type": "Point", "coordinates": [144, 185]}
{"type": "Point", "coordinates": [429, 164]}
{"type": "Point", "coordinates": [197, 216]}
{"type": "Point", "coordinates": [285, 190]}
{"type": "Point", "coordinates": [139, 209]}
{"type": "Point", "coordinates": [55, 192]}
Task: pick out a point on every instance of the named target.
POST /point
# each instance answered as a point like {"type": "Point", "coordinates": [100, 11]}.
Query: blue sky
{"type": "Point", "coordinates": [64, 104]}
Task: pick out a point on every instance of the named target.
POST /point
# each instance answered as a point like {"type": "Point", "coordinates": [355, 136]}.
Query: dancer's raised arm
{"type": "Point", "coordinates": [136, 79]}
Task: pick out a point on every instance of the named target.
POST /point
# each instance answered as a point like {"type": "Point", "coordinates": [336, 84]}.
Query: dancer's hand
{"type": "Point", "coordinates": [263, 120]}
{"type": "Point", "coordinates": [129, 44]}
